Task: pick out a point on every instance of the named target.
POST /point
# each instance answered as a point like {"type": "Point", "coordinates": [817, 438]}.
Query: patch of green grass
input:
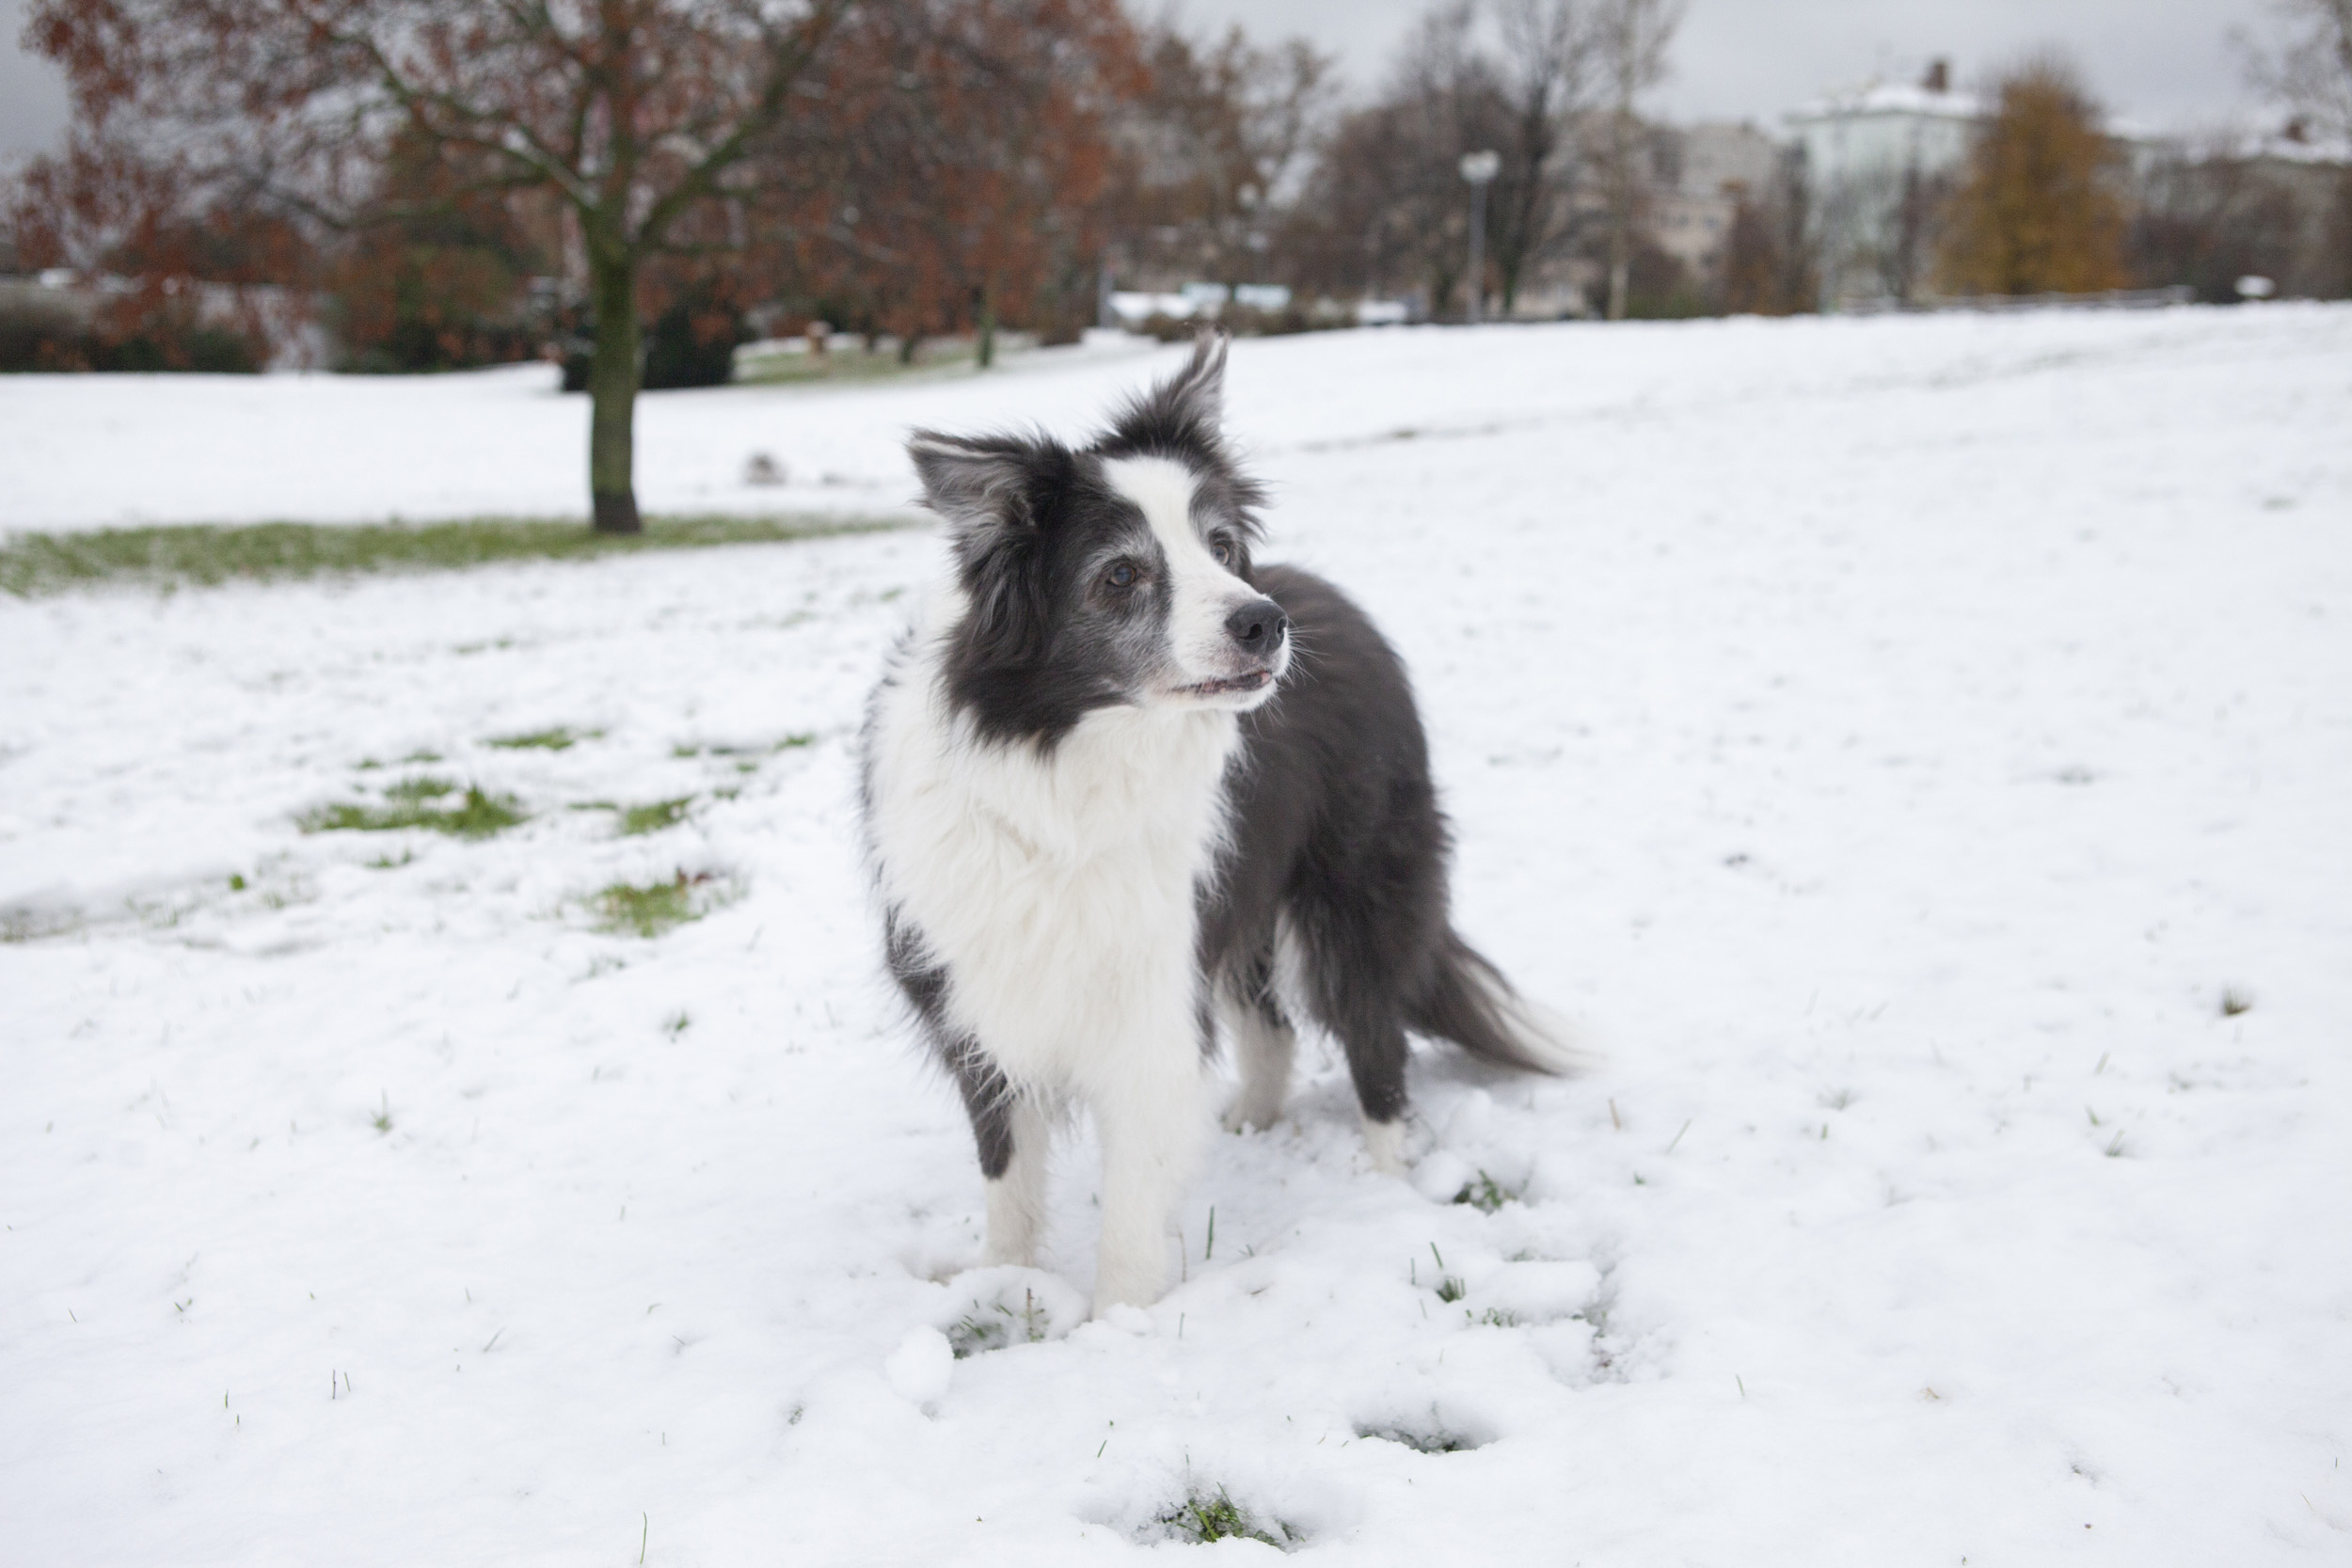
{"type": "Point", "coordinates": [422, 787]}
{"type": "Point", "coordinates": [850, 364]}
{"type": "Point", "coordinates": [747, 757]}
{"type": "Point", "coordinates": [41, 564]}
{"type": "Point", "coordinates": [1485, 1193]}
{"type": "Point", "coordinates": [478, 816]}
{"type": "Point", "coordinates": [654, 815]}
{"type": "Point", "coordinates": [652, 908]}
{"type": "Point", "coordinates": [978, 1332]}
{"type": "Point", "coordinates": [563, 737]}
{"type": "Point", "coordinates": [1203, 1518]}
{"type": "Point", "coordinates": [1451, 1289]}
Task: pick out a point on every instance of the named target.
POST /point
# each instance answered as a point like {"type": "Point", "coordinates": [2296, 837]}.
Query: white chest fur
{"type": "Point", "coordinates": [1056, 889]}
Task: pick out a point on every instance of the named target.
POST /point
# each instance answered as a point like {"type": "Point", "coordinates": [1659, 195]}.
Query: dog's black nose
{"type": "Point", "coordinates": [1259, 627]}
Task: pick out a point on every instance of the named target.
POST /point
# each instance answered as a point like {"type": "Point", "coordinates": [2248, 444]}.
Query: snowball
{"type": "Point", "coordinates": [920, 1368]}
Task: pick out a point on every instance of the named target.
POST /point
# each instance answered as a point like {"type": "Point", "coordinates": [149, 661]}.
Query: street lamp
{"type": "Point", "coordinates": [1480, 169]}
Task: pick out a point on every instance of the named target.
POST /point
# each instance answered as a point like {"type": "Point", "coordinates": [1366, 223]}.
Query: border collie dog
{"type": "Point", "coordinates": [1118, 767]}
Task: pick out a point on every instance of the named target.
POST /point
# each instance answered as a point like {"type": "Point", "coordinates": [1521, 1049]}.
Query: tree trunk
{"type": "Point", "coordinates": [1620, 207]}
{"type": "Point", "coordinates": [613, 395]}
{"type": "Point", "coordinates": [988, 325]}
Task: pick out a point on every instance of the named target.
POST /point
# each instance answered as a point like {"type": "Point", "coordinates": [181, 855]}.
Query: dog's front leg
{"type": "Point", "coordinates": [1012, 1130]}
{"type": "Point", "coordinates": [1152, 1124]}
{"type": "Point", "coordinates": [1016, 1195]}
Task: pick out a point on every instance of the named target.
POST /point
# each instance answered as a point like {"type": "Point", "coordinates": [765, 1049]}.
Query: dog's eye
{"type": "Point", "coordinates": [1223, 550]}
{"type": "Point", "coordinates": [1121, 576]}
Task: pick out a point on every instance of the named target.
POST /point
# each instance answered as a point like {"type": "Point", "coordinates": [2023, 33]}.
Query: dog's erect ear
{"type": "Point", "coordinates": [975, 480]}
{"type": "Point", "coordinates": [1185, 409]}
{"type": "Point", "coordinates": [1197, 393]}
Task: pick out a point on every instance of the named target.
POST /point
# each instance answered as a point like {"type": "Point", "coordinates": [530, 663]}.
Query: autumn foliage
{"type": "Point", "coordinates": [961, 178]}
{"type": "Point", "coordinates": [2038, 210]}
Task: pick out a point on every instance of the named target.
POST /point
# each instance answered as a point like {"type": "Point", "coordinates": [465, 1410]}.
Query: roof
{"type": "Point", "coordinates": [1892, 97]}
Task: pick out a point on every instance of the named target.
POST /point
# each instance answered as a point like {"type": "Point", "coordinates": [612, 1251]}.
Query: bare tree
{"type": "Point", "coordinates": [1631, 39]}
{"type": "Point", "coordinates": [960, 179]}
{"type": "Point", "coordinates": [1444, 99]}
{"type": "Point", "coordinates": [2312, 71]}
{"type": "Point", "coordinates": [1547, 77]}
{"type": "Point", "coordinates": [1218, 143]}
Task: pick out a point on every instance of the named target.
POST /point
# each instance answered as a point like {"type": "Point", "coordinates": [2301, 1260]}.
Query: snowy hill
{"type": "Point", "coordinates": [1914, 749]}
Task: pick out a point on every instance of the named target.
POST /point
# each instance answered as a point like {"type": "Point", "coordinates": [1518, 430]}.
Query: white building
{"type": "Point", "coordinates": [1871, 157]}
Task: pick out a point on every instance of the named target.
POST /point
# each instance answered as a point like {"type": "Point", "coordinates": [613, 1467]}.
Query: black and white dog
{"type": "Point", "coordinates": [1115, 772]}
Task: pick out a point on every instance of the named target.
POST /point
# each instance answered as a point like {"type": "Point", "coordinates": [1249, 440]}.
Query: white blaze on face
{"type": "Point", "coordinates": [1202, 595]}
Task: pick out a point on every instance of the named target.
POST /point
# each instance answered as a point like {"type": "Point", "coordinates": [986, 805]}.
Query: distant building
{"type": "Point", "coordinates": [1875, 163]}
{"type": "Point", "coordinates": [1698, 175]}
{"type": "Point", "coordinates": [1879, 163]}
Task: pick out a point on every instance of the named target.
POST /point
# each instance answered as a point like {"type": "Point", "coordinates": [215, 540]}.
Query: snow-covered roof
{"type": "Point", "coordinates": [2292, 150]}
{"type": "Point", "coordinates": [1892, 97]}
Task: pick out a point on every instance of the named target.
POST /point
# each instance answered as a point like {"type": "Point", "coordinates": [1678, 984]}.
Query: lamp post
{"type": "Point", "coordinates": [1480, 169]}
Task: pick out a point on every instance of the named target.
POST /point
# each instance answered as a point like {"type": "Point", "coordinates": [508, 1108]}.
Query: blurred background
{"type": "Point", "coordinates": [731, 190]}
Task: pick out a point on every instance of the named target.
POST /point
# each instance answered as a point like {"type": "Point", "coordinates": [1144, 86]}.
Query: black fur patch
{"type": "Point", "coordinates": [987, 1097]}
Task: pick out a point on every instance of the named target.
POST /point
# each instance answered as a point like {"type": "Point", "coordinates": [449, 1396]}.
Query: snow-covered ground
{"type": "Point", "coordinates": [1895, 738]}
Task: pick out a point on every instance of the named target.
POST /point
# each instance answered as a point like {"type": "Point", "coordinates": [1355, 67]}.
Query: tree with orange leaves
{"type": "Point", "coordinates": [2037, 210]}
{"type": "Point", "coordinates": [194, 285]}
{"type": "Point", "coordinates": [962, 178]}
{"type": "Point", "coordinates": [640, 116]}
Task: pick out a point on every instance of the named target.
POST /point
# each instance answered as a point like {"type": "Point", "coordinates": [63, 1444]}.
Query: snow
{"type": "Point", "coordinates": [112, 451]}
{"type": "Point", "coordinates": [1890, 739]}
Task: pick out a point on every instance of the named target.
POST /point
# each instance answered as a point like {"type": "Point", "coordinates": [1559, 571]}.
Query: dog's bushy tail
{"type": "Point", "coordinates": [1469, 1003]}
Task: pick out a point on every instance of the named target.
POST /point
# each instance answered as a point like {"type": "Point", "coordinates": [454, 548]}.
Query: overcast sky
{"type": "Point", "coordinates": [2164, 63]}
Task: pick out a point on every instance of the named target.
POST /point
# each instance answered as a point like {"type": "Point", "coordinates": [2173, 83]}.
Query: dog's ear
{"type": "Point", "coordinates": [976, 480]}
{"type": "Point", "coordinates": [1196, 394]}
{"type": "Point", "coordinates": [1185, 409]}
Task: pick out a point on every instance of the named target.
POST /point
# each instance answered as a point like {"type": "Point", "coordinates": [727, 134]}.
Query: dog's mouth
{"type": "Point", "coordinates": [1256, 680]}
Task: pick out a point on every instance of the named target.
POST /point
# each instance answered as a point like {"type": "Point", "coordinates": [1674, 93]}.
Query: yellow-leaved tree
{"type": "Point", "coordinates": [2038, 209]}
